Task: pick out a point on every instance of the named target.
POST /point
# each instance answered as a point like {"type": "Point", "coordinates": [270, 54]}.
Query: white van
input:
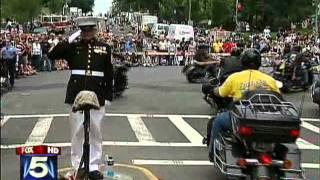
{"type": "Point", "coordinates": [179, 31]}
{"type": "Point", "coordinates": [148, 20]}
{"type": "Point", "coordinates": [159, 28]}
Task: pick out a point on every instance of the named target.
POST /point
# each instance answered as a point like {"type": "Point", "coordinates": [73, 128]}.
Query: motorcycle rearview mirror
{"type": "Point", "coordinates": [279, 84]}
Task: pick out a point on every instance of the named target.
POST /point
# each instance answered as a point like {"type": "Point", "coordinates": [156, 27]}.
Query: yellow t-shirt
{"type": "Point", "coordinates": [216, 47]}
{"type": "Point", "coordinates": [237, 83]}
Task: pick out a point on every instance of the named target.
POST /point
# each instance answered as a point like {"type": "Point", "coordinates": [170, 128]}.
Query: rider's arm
{"type": "Point", "coordinates": [206, 62]}
{"type": "Point", "coordinates": [225, 89]}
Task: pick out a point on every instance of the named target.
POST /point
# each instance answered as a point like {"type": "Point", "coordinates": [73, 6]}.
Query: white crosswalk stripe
{"type": "Point", "coordinates": [197, 163]}
{"type": "Point", "coordinates": [190, 133]}
{"type": "Point", "coordinates": [4, 120]}
{"type": "Point", "coordinates": [141, 131]}
{"type": "Point", "coordinates": [39, 131]}
{"type": "Point", "coordinates": [143, 134]}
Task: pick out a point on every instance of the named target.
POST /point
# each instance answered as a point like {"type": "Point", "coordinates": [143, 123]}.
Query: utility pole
{"type": "Point", "coordinates": [316, 5]}
{"type": "Point", "coordinates": [189, 10]}
{"type": "Point", "coordinates": [316, 17]}
{"type": "Point", "coordinates": [237, 2]}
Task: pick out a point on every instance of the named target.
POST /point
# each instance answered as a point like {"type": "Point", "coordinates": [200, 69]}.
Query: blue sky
{"type": "Point", "coordinates": [102, 6]}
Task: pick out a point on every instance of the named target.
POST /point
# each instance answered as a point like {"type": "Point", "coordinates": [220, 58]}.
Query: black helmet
{"type": "Point", "coordinates": [236, 51]}
{"type": "Point", "coordinates": [251, 59]}
{"type": "Point", "coordinates": [201, 54]}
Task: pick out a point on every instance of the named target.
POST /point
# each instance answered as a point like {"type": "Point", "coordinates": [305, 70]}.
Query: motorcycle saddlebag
{"type": "Point", "coordinates": [265, 117]}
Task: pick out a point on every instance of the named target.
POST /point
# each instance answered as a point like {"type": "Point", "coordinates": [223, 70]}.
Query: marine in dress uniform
{"type": "Point", "coordinates": [91, 69]}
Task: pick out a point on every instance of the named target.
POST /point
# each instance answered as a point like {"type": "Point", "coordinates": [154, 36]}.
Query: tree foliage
{"type": "Point", "coordinates": [85, 5]}
{"type": "Point", "coordinates": [275, 13]}
{"type": "Point", "coordinates": [259, 13]}
{"type": "Point", "coordinates": [20, 10]}
{"type": "Point", "coordinates": [55, 6]}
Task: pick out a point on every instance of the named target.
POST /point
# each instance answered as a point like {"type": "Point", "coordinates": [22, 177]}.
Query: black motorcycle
{"type": "Point", "coordinates": [120, 83]}
{"type": "Point", "coordinates": [315, 92]}
{"type": "Point", "coordinates": [284, 72]}
{"type": "Point", "coordinates": [196, 73]}
{"type": "Point", "coordinates": [261, 144]}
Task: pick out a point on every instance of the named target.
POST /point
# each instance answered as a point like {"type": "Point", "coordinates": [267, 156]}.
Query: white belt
{"type": "Point", "coordinates": [87, 73]}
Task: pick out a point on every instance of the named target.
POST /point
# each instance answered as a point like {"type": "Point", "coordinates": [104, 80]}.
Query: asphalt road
{"type": "Point", "coordinates": [158, 124]}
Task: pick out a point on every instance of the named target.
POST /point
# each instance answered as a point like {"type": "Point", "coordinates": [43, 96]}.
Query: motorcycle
{"type": "Point", "coordinates": [315, 92]}
{"type": "Point", "coordinates": [283, 72]}
{"type": "Point", "coordinates": [194, 73]}
{"type": "Point", "coordinates": [120, 82]}
{"type": "Point", "coordinates": [261, 144]}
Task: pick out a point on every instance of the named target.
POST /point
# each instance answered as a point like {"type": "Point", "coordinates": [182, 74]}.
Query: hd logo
{"type": "Point", "coordinates": [38, 167]}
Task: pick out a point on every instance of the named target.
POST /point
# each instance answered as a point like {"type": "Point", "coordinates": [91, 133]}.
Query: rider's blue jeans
{"type": "Point", "coordinates": [222, 124]}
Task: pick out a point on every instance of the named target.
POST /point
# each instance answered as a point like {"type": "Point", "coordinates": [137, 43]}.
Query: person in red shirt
{"type": "Point", "coordinates": [228, 45]}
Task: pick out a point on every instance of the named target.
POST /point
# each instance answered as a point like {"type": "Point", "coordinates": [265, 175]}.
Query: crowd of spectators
{"type": "Point", "coordinates": [28, 54]}
{"type": "Point", "coordinates": [139, 49]}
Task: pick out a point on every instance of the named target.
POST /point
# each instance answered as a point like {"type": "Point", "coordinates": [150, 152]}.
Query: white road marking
{"type": "Point", "coordinates": [141, 115]}
{"type": "Point", "coordinates": [311, 119]}
{"type": "Point", "coordinates": [310, 127]}
{"type": "Point", "coordinates": [39, 131]}
{"type": "Point", "coordinates": [36, 115]}
{"type": "Point", "coordinates": [310, 166]}
{"type": "Point", "coordinates": [144, 136]}
{"type": "Point", "coordinates": [189, 132]}
{"type": "Point", "coordinates": [4, 120]}
{"type": "Point", "coordinates": [109, 114]}
{"type": "Point", "coordinates": [116, 143]}
{"type": "Point", "coordinates": [198, 163]}
{"type": "Point", "coordinates": [303, 144]}
{"type": "Point", "coordinates": [140, 129]}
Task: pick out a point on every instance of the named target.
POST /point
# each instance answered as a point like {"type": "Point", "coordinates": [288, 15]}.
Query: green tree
{"type": "Point", "coordinates": [55, 6]}
{"type": "Point", "coordinates": [85, 5]}
{"type": "Point", "coordinates": [259, 13]}
{"type": "Point", "coordinates": [275, 13]}
{"type": "Point", "coordinates": [20, 10]}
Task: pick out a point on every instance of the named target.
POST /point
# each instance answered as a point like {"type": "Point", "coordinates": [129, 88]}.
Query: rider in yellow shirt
{"type": "Point", "coordinates": [249, 79]}
{"type": "Point", "coordinates": [236, 85]}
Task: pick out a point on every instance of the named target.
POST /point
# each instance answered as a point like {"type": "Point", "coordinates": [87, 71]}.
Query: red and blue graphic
{"type": "Point", "coordinates": [38, 162]}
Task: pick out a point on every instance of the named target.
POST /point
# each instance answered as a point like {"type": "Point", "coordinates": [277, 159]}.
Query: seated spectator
{"type": "Point", "coordinates": [146, 60]}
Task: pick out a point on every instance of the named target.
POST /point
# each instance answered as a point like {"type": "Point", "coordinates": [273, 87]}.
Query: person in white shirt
{"type": "Point", "coordinates": [36, 54]}
{"type": "Point", "coordinates": [172, 50]}
{"type": "Point", "coordinates": [267, 32]}
{"type": "Point", "coordinates": [163, 47]}
{"type": "Point", "coordinates": [147, 60]}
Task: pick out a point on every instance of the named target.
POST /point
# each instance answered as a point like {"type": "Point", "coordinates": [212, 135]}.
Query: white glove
{"type": "Point", "coordinates": [107, 103]}
{"type": "Point", "coordinates": [74, 36]}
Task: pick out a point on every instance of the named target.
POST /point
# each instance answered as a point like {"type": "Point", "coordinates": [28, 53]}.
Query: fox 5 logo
{"type": "Point", "coordinates": [38, 167]}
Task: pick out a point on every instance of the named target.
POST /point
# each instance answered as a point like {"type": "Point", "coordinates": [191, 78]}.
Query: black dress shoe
{"type": "Point", "coordinates": [95, 175]}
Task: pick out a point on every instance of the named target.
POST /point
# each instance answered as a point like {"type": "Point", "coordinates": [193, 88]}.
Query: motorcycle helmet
{"type": "Point", "coordinates": [251, 59]}
{"type": "Point", "coordinates": [201, 55]}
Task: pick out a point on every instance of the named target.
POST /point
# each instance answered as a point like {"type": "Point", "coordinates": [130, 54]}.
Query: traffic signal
{"type": "Point", "coordinates": [240, 7]}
